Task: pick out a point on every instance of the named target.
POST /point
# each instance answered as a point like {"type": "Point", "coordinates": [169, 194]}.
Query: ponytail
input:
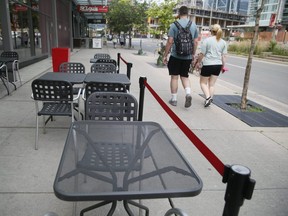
{"type": "Point", "coordinates": [216, 30]}
{"type": "Point", "coordinates": [219, 34]}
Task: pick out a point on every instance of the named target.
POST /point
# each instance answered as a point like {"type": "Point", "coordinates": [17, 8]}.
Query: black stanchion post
{"type": "Point", "coordinates": [239, 187]}
{"type": "Point", "coordinates": [141, 97]}
{"type": "Point", "coordinates": [129, 66]}
{"type": "Point", "coordinates": [118, 62]}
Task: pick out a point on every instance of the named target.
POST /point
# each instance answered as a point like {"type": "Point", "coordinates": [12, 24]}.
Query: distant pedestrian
{"type": "Point", "coordinates": [114, 41]}
{"type": "Point", "coordinates": [122, 40]}
{"type": "Point", "coordinates": [213, 57]}
{"type": "Point", "coordinates": [25, 39]}
{"type": "Point", "coordinates": [179, 64]}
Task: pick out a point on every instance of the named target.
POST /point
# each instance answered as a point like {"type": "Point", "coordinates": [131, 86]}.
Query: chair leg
{"type": "Point", "coordinates": [37, 133]}
{"type": "Point", "coordinates": [44, 124]}
{"type": "Point", "coordinates": [5, 85]}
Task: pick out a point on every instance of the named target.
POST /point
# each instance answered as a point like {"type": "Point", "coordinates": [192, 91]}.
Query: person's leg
{"type": "Point", "coordinates": [173, 89]}
{"type": "Point", "coordinates": [211, 84]}
{"type": "Point", "coordinates": [187, 87]}
{"type": "Point", "coordinates": [204, 86]}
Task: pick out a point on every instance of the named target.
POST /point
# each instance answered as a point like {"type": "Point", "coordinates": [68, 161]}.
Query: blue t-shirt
{"type": "Point", "coordinates": [173, 31]}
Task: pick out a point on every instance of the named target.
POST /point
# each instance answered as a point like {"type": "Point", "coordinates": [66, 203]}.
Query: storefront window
{"type": "Point", "coordinates": [25, 30]}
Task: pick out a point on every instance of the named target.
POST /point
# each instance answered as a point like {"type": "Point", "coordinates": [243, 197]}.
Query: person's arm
{"type": "Point", "coordinates": [168, 46]}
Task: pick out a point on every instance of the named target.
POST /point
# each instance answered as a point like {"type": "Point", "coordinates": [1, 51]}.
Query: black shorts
{"type": "Point", "coordinates": [209, 70]}
{"type": "Point", "coordinates": [179, 66]}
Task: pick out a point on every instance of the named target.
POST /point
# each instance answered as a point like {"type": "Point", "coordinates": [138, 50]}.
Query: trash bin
{"type": "Point", "coordinates": [59, 55]}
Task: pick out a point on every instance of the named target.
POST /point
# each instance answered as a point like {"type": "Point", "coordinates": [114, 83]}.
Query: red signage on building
{"type": "Point", "coordinates": [272, 20]}
{"type": "Point", "coordinates": [18, 7]}
{"type": "Point", "coordinates": [92, 8]}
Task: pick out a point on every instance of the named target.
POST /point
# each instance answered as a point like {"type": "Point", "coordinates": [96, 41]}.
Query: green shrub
{"type": "Point", "coordinates": [272, 45]}
{"type": "Point", "coordinates": [281, 50]}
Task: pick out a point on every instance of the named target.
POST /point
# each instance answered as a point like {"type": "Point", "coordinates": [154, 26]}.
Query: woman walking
{"type": "Point", "coordinates": [212, 59]}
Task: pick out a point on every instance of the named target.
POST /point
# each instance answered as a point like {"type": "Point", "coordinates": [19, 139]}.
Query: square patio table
{"type": "Point", "coordinates": [108, 161]}
{"type": "Point", "coordinates": [73, 78]}
{"type": "Point", "coordinates": [107, 78]}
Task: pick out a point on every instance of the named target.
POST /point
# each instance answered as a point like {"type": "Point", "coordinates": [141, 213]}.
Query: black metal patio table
{"type": "Point", "coordinates": [107, 161]}
{"type": "Point", "coordinates": [74, 78]}
{"type": "Point", "coordinates": [107, 78]}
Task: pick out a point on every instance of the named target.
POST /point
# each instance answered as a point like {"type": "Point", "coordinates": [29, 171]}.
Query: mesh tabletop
{"type": "Point", "coordinates": [108, 160]}
{"type": "Point", "coordinates": [107, 78]}
{"type": "Point", "coordinates": [74, 78]}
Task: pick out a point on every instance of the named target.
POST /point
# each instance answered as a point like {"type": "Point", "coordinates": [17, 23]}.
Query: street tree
{"type": "Point", "coordinates": [164, 13]}
{"type": "Point", "coordinates": [124, 15]}
{"type": "Point", "coordinates": [249, 61]}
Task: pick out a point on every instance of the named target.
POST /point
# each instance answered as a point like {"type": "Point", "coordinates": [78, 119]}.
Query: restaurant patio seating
{"type": "Point", "coordinates": [103, 68]}
{"type": "Point", "coordinates": [106, 61]}
{"type": "Point", "coordinates": [57, 100]}
{"type": "Point", "coordinates": [102, 56]}
{"type": "Point", "coordinates": [72, 67]}
{"type": "Point", "coordinates": [12, 66]}
{"type": "Point", "coordinates": [111, 106]}
{"type": "Point", "coordinates": [102, 87]}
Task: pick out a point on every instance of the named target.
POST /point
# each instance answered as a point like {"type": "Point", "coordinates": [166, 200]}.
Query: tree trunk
{"type": "Point", "coordinates": [249, 62]}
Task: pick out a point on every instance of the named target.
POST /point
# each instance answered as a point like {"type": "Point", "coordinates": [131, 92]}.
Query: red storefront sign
{"type": "Point", "coordinates": [92, 8]}
{"type": "Point", "coordinates": [18, 7]}
{"type": "Point", "coordinates": [272, 20]}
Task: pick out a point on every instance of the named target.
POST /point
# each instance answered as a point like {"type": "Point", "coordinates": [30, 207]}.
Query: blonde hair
{"type": "Point", "coordinates": [216, 30]}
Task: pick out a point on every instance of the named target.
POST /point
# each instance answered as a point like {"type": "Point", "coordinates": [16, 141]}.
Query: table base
{"type": "Point", "coordinates": [113, 207]}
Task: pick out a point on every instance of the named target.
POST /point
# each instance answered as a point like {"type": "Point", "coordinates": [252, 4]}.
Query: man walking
{"type": "Point", "coordinates": [180, 61]}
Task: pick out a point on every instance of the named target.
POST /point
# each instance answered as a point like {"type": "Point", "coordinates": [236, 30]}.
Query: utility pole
{"type": "Point", "coordinates": [211, 8]}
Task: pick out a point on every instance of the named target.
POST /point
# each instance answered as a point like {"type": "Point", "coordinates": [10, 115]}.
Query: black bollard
{"type": "Point", "coordinates": [239, 187]}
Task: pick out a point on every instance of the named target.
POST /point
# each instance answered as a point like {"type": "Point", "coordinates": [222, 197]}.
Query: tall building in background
{"type": "Point", "coordinates": [271, 14]}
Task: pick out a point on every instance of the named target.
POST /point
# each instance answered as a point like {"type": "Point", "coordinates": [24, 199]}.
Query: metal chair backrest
{"type": "Point", "coordinates": [106, 61]}
{"type": "Point", "coordinates": [48, 90]}
{"type": "Point", "coordinates": [103, 68]}
{"type": "Point", "coordinates": [103, 87]}
{"type": "Point", "coordinates": [111, 106]}
{"type": "Point", "coordinates": [10, 54]}
{"type": "Point", "coordinates": [102, 56]}
{"type": "Point", "coordinates": [72, 67]}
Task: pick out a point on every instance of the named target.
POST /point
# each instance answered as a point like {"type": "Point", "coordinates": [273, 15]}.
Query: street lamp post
{"type": "Point", "coordinates": [210, 21]}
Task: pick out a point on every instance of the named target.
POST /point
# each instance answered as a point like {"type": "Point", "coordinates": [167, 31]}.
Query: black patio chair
{"type": "Point", "coordinates": [57, 100]}
{"type": "Point", "coordinates": [11, 71]}
{"type": "Point", "coordinates": [105, 106]}
{"type": "Point", "coordinates": [72, 67]}
{"type": "Point", "coordinates": [102, 56]}
{"type": "Point", "coordinates": [103, 68]}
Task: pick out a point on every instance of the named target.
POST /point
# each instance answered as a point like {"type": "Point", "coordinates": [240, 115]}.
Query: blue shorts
{"type": "Point", "coordinates": [179, 66]}
{"type": "Point", "coordinates": [208, 70]}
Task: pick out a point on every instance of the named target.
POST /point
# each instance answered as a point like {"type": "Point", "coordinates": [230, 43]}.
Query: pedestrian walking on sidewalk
{"type": "Point", "coordinates": [212, 59]}
{"type": "Point", "coordinates": [181, 55]}
{"type": "Point", "coordinates": [114, 41]}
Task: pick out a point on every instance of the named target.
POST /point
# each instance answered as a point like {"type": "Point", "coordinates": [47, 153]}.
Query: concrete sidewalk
{"type": "Point", "coordinates": [27, 175]}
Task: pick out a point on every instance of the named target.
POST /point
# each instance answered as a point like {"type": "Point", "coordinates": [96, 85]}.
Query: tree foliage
{"type": "Point", "coordinates": [163, 12]}
{"type": "Point", "coordinates": [124, 15]}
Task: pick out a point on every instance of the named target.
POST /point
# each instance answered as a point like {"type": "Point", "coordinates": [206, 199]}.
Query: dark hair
{"type": "Point", "coordinates": [183, 10]}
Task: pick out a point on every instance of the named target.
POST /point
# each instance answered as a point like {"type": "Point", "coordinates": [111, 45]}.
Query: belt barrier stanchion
{"type": "Point", "coordinates": [237, 177]}
{"type": "Point", "coordinates": [129, 66]}
{"type": "Point", "coordinates": [239, 187]}
{"type": "Point", "coordinates": [118, 61]}
{"type": "Point", "coordinates": [142, 81]}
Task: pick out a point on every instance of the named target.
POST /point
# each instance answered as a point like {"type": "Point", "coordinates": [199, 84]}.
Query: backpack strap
{"type": "Point", "coordinates": [180, 27]}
